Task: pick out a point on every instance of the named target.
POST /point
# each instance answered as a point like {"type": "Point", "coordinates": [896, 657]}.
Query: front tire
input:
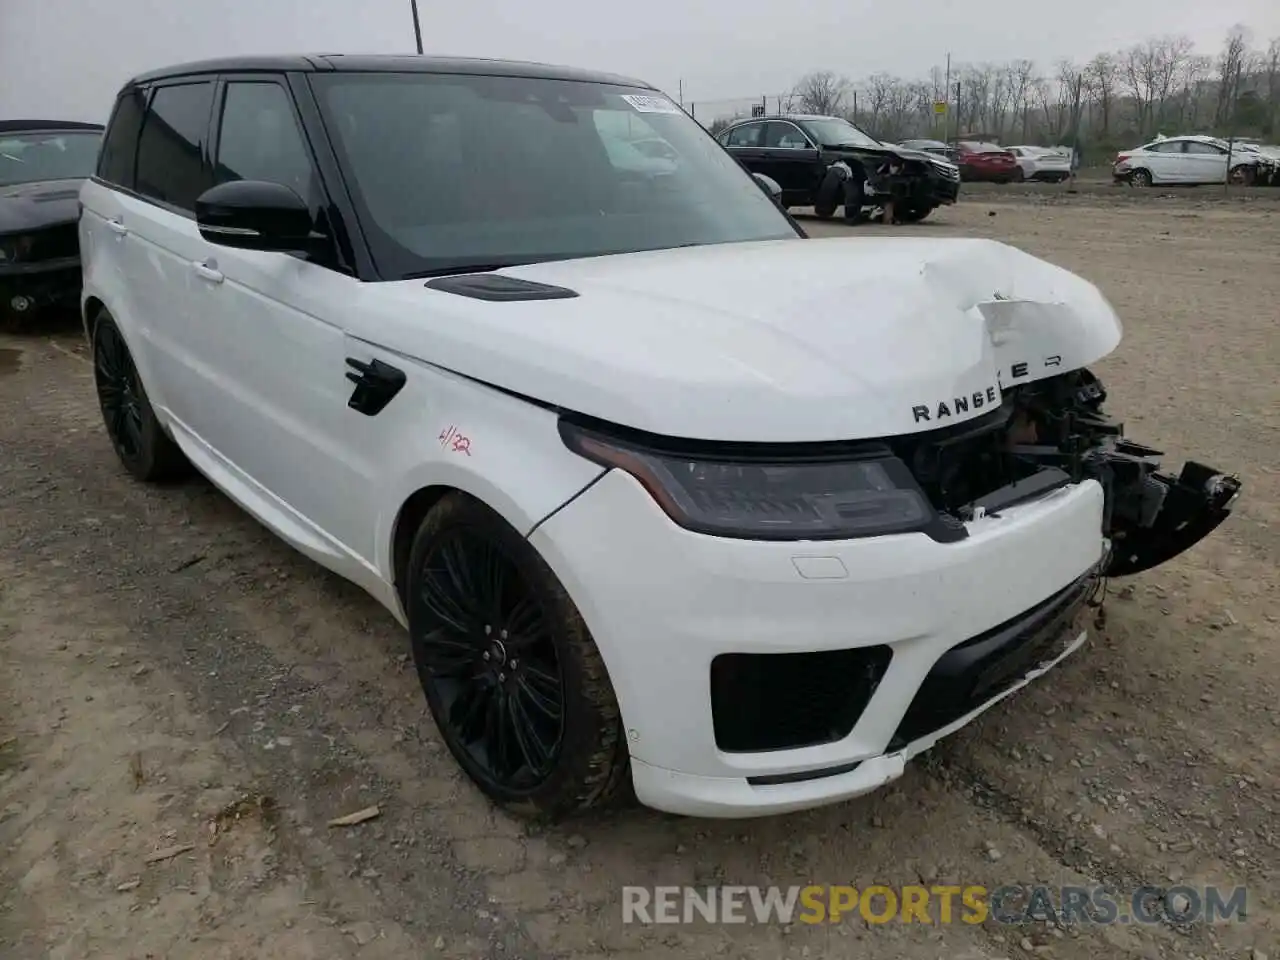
{"type": "Point", "coordinates": [914, 214]}
{"type": "Point", "coordinates": [513, 679]}
{"type": "Point", "coordinates": [146, 451]}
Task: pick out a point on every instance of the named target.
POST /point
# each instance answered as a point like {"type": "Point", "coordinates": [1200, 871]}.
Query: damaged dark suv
{"type": "Point", "coordinates": [42, 165]}
{"type": "Point", "coordinates": [827, 163]}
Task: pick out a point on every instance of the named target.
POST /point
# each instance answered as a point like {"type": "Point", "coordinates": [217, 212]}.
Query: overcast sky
{"type": "Point", "coordinates": [65, 58]}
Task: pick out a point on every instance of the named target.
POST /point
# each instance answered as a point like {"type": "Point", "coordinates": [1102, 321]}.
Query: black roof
{"type": "Point", "coordinates": [11, 126]}
{"type": "Point", "coordinates": [793, 117]}
{"type": "Point", "coordinates": [385, 63]}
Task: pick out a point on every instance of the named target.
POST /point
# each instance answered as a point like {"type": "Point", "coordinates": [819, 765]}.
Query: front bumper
{"type": "Point", "coordinates": [1054, 171]}
{"type": "Point", "coordinates": [663, 603]}
{"type": "Point", "coordinates": [944, 190]}
{"type": "Point", "coordinates": [44, 283]}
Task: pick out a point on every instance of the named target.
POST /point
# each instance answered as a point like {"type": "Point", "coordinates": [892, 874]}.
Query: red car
{"type": "Point", "coordinates": [986, 161]}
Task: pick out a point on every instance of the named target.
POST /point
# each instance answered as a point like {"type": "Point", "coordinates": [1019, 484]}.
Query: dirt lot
{"type": "Point", "coordinates": [174, 676]}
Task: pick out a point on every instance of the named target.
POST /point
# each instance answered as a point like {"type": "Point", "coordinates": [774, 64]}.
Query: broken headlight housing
{"type": "Point", "coordinates": [752, 496]}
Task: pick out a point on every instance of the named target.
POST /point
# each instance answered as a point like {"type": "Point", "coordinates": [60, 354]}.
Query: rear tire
{"type": "Point", "coordinates": [513, 679]}
{"type": "Point", "coordinates": [145, 450]}
{"type": "Point", "coordinates": [1019, 175]}
{"type": "Point", "coordinates": [1140, 178]}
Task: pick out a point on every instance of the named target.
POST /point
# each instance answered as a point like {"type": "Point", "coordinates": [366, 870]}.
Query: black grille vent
{"type": "Point", "coordinates": [783, 701]}
{"type": "Point", "coordinates": [52, 243]}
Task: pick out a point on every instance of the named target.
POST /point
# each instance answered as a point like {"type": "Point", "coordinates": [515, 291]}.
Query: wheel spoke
{"type": "Point", "coordinates": [546, 705]}
{"type": "Point", "coordinates": [457, 570]}
{"type": "Point", "coordinates": [521, 617]}
{"type": "Point", "coordinates": [532, 749]}
{"type": "Point", "coordinates": [443, 604]}
{"type": "Point", "coordinates": [496, 728]}
{"type": "Point", "coordinates": [448, 656]}
{"type": "Point", "coordinates": [471, 706]}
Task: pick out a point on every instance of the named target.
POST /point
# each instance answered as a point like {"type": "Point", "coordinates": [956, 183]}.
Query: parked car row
{"type": "Point", "coordinates": [990, 162]}
{"type": "Point", "coordinates": [1198, 159]}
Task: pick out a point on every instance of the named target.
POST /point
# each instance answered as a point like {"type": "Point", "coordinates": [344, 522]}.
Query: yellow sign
{"type": "Point", "coordinates": [939, 106]}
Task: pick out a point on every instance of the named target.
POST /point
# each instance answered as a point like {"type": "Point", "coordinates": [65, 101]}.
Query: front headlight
{"type": "Point", "coordinates": [767, 498]}
{"type": "Point", "coordinates": [15, 248]}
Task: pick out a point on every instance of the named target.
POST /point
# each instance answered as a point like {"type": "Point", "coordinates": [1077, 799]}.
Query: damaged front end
{"type": "Point", "coordinates": [1052, 433]}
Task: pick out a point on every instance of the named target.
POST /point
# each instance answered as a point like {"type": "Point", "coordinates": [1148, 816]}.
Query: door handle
{"type": "Point", "coordinates": [206, 272]}
{"type": "Point", "coordinates": [118, 228]}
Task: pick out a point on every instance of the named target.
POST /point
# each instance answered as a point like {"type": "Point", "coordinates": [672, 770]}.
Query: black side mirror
{"type": "Point", "coordinates": [770, 186]}
{"type": "Point", "coordinates": [255, 215]}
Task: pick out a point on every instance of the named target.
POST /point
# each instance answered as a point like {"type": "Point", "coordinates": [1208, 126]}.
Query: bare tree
{"type": "Point", "coordinates": [1138, 70]}
{"type": "Point", "coordinates": [1195, 78]}
{"type": "Point", "coordinates": [1101, 78]}
{"type": "Point", "coordinates": [975, 96]}
{"type": "Point", "coordinates": [1270, 69]}
{"type": "Point", "coordinates": [1231, 68]}
{"type": "Point", "coordinates": [1022, 75]}
{"type": "Point", "coordinates": [821, 92]}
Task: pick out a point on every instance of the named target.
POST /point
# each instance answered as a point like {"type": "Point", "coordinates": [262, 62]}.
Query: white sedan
{"type": "Point", "coordinates": [1185, 160]}
{"type": "Point", "coordinates": [1042, 163]}
{"type": "Point", "coordinates": [662, 490]}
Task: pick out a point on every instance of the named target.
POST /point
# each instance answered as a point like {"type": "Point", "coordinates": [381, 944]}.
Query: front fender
{"type": "Point", "coordinates": [448, 431]}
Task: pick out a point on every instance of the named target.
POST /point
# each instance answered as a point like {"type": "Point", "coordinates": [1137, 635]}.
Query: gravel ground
{"type": "Point", "coordinates": [179, 686]}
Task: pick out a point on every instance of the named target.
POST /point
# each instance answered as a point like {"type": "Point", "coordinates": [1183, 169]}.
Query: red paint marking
{"type": "Point", "coordinates": [454, 441]}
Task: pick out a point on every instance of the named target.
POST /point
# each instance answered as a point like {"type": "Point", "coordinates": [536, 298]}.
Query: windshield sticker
{"type": "Point", "coordinates": [643, 104]}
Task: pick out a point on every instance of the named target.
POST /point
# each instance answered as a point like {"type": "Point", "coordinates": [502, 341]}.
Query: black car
{"type": "Point", "coordinates": [827, 162]}
{"type": "Point", "coordinates": [42, 164]}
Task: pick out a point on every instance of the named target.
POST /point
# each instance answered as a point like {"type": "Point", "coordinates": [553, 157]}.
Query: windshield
{"type": "Point", "coordinates": [47, 155]}
{"type": "Point", "coordinates": [832, 132]}
{"type": "Point", "coordinates": [453, 171]}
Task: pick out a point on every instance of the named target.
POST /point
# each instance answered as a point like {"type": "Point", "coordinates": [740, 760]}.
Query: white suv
{"type": "Point", "coordinates": [664, 491]}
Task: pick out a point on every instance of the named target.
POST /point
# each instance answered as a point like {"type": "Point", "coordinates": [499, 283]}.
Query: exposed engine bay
{"type": "Point", "coordinates": [1053, 432]}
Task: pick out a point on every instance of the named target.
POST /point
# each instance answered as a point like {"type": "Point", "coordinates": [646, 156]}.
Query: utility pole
{"type": "Point", "coordinates": [1077, 155]}
{"type": "Point", "coordinates": [957, 143]}
{"type": "Point", "coordinates": [417, 25]}
{"type": "Point", "coordinates": [681, 93]}
{"type": "Point", "coordinates": [946, 98]}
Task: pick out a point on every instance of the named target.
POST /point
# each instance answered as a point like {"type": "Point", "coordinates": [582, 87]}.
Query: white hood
{"type": "Point", "coordinates": [792, 340]}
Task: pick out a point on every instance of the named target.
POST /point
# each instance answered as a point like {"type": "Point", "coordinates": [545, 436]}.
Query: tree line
{"type": "Point", "coordinates": [1117, 99]}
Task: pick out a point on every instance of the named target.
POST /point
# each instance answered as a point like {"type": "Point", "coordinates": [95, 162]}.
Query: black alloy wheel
{"type": "Point", "coordinates": [146, 451]}
{"type": "Point", "coordinates": [512, 678]}
{"type": "Point", "coordinates": [119, 391]}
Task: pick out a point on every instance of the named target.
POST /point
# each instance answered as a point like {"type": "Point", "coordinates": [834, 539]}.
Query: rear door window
{"type": "Point", "coordinates": [747, 135]}
{"type": "Point", "coordinates": [172, 149]}
{"type": "Point", "coordinates": [785, 136]}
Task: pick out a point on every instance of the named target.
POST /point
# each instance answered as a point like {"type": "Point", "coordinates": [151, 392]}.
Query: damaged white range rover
{"type": "Point", "coordinates": [665, 492]}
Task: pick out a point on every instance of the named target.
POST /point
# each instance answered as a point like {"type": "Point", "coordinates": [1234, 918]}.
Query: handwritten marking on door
{"type": "Point", "coordinates": [455, 442]}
